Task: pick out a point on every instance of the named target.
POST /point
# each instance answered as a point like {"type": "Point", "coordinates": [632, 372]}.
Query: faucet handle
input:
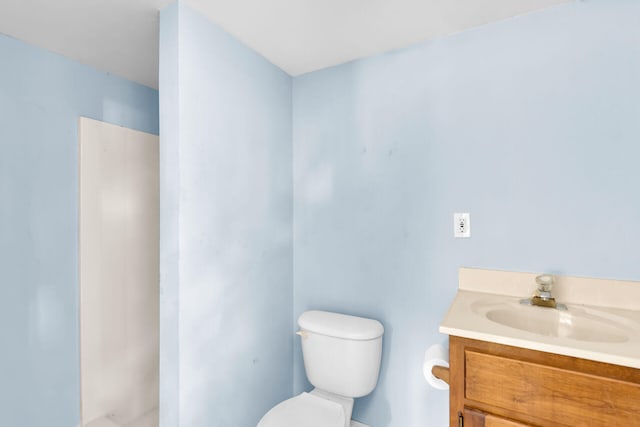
{"type": "Point", "coordinates": [545, 282]}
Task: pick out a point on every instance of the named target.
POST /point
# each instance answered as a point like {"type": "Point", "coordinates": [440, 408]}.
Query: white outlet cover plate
{"type": "Point", "coordinates": [461, 225]}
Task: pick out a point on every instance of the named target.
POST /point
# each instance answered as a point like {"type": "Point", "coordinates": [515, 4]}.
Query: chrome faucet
{"type": "Point", "coordinates": [543, 297]}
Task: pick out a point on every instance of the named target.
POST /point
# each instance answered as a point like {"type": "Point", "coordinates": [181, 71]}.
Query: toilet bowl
{"type": "Point", "coordinates": [306, 410]}
{"type": "Point", "coordinates": [342, 357]}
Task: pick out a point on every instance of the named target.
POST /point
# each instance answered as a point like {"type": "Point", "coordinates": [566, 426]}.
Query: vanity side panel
{"type": "Point", "coordinates": [456, 377]}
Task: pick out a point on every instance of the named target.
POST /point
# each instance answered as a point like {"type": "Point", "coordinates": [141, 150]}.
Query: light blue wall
{"type": "Point", "coordinates": [494, 121]}
{"type": "Point", "coordinates": [169, 217]}
{"type": "Point", "coordinates": [532, 125]}
{"type": "Point", "coordinates": [41, 97]}
{"type": "Point", "coordinates": [226, 227]}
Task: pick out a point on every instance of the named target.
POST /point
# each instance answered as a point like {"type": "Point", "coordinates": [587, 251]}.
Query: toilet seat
{"type": "Point", "coordinates": [305, 410]}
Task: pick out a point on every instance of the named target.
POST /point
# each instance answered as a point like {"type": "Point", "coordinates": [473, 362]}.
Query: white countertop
{"type": "Point", "coordinates": [466, 318]}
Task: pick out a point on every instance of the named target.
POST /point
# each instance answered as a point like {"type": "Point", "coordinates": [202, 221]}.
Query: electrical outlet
{"type": "Point", "coordinates": [461, 225]}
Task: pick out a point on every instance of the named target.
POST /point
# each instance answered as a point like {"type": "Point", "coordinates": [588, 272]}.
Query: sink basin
{"type": "Point", "coordinates": [577, 324]}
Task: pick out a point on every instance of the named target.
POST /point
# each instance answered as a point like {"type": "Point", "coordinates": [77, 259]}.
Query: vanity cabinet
{"type": "Point", "coordinates": [493, 385]}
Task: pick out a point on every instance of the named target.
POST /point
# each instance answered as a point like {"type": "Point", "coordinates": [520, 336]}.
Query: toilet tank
{"type": "Point", "coordinates": [341, 353]}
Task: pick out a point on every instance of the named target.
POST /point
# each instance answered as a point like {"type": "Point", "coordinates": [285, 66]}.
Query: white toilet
{"type": "Point", "coordinates": [342, 360]}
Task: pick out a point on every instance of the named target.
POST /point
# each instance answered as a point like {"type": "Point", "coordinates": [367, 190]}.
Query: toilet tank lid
{"type": "Point", "coordinates": [340, 325]}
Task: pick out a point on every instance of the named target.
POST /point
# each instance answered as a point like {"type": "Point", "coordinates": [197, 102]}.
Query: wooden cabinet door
{"type": "Point", "coordinates": [475, 418]}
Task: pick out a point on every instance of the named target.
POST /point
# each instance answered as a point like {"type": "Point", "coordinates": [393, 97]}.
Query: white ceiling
{"type": "Point", "coordinates": [121, 36]}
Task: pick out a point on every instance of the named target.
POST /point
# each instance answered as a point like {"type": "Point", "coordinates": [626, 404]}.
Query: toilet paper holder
{"type": "Point", "coordinates": [436, 367]}
{"type": "Point", "coordinates": [441, 373]}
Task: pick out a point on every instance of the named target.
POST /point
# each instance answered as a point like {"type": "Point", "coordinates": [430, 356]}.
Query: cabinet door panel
{"type": "Point", "coordinates": [495, 421]}
{"type": "Point", "coordinates": [475, 418]}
